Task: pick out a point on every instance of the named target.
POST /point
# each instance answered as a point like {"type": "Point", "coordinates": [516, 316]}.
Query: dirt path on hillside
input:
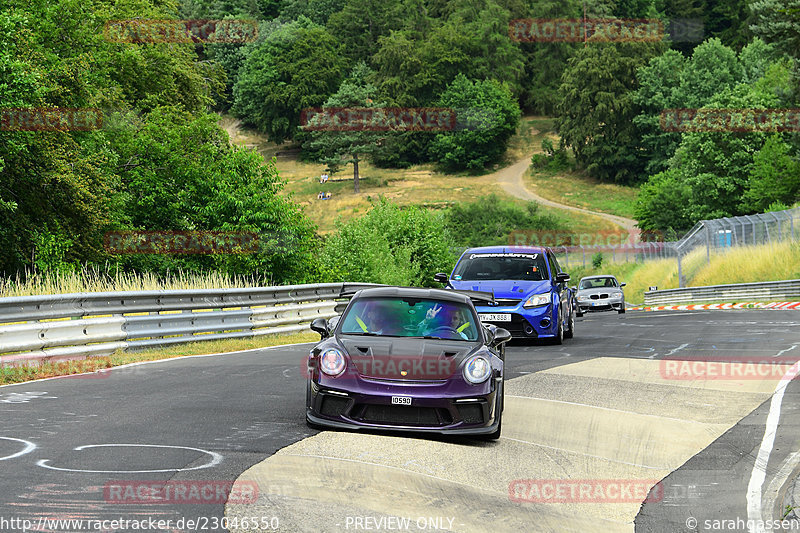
{"type": "Point", "coordinates": [511, 180]}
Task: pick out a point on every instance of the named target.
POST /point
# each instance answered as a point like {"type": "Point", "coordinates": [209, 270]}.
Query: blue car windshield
{"type": "Point", "coordinates": [499, 266]}
{"type": "Point", "coordinates": [410, 317]}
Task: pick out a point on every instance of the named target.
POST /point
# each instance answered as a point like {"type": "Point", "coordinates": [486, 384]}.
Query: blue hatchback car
{"type": "Point", "coordinates": [532, 298]}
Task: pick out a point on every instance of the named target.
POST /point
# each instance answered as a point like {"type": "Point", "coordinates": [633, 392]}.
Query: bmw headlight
{"type": "Point", "coordinates": [332, 362]}
{"type": "Point", "coordinates": [477, 369]}
{"type": "Point", "coordinates": [583, 298]}
{"type": "Point", "coordinates": [616, 294]}
{"type": "Point", "coordinates": [537, 300]}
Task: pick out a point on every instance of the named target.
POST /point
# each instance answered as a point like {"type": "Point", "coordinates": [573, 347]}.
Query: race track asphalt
{"type": "Point", "coordinates": [598, 408]}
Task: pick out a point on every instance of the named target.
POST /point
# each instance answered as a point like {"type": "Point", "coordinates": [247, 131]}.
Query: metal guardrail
{"type": "Point", "coordinates": [740, 292]}
{"type": "Point", "coordinates": [72, 326]}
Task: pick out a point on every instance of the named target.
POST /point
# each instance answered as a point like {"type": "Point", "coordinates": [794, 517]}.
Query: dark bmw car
{"type": "Point", "coordinates": [407, 359]}
{"type": "Point", "coordinates": [532, 299]}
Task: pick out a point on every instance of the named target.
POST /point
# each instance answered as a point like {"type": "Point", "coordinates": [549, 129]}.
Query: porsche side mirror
{"type": "Point", "coordinates": [501, 336]}
{"type": "Point", "coordinates": [320, 325]}
{"type": "Point", "coordinates": [562, 277]}
{"type": "Point", "coordinates": [441, 277]}
{"type": "Point", "coordinates": [491, 332]}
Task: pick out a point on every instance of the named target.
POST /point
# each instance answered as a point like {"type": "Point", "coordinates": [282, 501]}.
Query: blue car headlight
{"type": "Point", "coordinates": [477, 369]}
{"type": "Point", "coordinates": [537, 300]}
{"type": "Point", "coordinates": [332, 362]}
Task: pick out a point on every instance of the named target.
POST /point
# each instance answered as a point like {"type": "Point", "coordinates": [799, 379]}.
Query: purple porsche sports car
{"type": "Point", "coordinates": [408, 359]}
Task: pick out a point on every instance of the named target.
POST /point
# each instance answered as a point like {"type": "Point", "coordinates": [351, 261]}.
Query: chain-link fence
{"type": "Point", "coordinates": [716, 236]}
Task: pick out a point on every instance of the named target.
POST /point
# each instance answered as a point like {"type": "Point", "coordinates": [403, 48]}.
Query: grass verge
{"type": "Point", "coordinates": [578, 190]}
{"type": "Point", "coordinates": [769, 262]}
{"type": "Point", "coordinates": [20, 374]}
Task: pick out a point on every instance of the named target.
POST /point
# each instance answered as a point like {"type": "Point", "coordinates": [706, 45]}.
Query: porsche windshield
{"type": "Point", "coordinates": [518, 266]}
{"type": "Point", "coordinates": [410, 317]}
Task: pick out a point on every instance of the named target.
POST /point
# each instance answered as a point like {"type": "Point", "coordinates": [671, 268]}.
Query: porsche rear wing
{"type": "Point", "coordinates": [478, 296]}
{"type": "Point", "coordinates": [475, 296]}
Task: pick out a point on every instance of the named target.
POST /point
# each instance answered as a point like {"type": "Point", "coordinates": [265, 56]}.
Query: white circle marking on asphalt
{"type": "Point", "coordinates": [29, 447]}
{"type": "Point", "coordinates": [215, 459]}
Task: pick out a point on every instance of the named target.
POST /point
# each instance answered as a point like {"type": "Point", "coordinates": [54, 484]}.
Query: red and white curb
{"type": "Point", "coordinates": [743, 305]}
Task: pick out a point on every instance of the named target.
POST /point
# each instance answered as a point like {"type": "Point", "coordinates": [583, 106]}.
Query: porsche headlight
{"type": "Point", "coordinates": [537, 300]}
{"type": "Point", "coordinates": [332, 362]}
{"type": "Point", "coordinates": [477, 369]}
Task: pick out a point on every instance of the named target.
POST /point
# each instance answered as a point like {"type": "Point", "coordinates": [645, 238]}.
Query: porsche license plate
{"type": "Point", "coordinates": [401, 400]}
{"type": "Point", "coordinates": [495, 317]}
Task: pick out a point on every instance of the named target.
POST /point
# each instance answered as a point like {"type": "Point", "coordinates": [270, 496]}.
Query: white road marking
{"type": "Point", "coordinates": [29, 447]}
{"type": "Point", "coordinates": [215, 459]}
{"type": "Point", "coordinates": [25, 397]}
{"type": "Point", "coordinates": [674, 350]}
{"type": "Point", "coordinates": [792, 347]}
{"type": "Point", "coordinates": [759, 474]}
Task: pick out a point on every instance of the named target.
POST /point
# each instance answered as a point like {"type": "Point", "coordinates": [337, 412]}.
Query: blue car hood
{"type": "Point", "coordinates": [504, 288]}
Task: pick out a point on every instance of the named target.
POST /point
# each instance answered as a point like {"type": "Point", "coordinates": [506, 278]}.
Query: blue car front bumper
{"type": "Point", "coordinates": [536, 322]}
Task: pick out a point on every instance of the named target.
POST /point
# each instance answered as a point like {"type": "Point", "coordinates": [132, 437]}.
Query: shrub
{"type": "Point", "coordinates": [390, 244]}
{"type": "Point", "coordinates": [597, 260]}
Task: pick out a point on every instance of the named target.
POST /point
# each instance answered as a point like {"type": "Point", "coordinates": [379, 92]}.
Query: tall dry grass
{"type": "Point", "coordinates": [91, 279]}
{"type": "Point", "coordinates": [770, 262]}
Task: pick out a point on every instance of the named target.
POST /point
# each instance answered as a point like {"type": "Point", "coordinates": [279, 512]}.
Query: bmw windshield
{"type": "Point", "coordinates": [410, 317]}
{"type": "Point", "coordinates": [596, 283]}
{"type": "Point", "coordinates": [499, 266]}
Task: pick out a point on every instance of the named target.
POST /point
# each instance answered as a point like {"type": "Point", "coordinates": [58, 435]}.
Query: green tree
{"type": "Point", "coordinates": [319, 11]}
{"type": "Point", "coordinates": [488, 116]}
{"type": "Point", "coordinates": [596, 108]}
{"type": "Point", "coordinates": [778, 22]}
{"type": "Point", "coordinates": [181, 173]}
{"type": "Point", "coordinates": [392, 245]}
{"type": "Point", "coordinates": [297, 67]}
{"type": "Point", "coordinates": [360, 23]}
{"type": "Point", "coordinates": [332, 146]}
{"type": "Point", "coordinates": [663, 203]}
{"type": "Point", "coordinates": [775, 177]}
{"type": "Point", "coordinates": [712, 68]}
{"type": "Point", "coordinates": [414, 66]}
{"type": "Point", "coordinates": [659, 89]}
{"type": "Point", "coordinates": [545, 62]}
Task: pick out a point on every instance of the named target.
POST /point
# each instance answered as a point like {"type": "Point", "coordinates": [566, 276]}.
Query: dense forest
{"type": "Point", "coordinates": [161, 162]}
